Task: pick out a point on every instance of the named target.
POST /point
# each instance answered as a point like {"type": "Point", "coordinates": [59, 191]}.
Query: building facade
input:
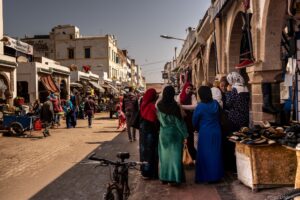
{"type": "Point", "coordinates": [8, 86]}
{"type": "Point", "coordinates": [220, 39]}
{"type": "Point", "coordinates": [98, 53]}
{"type": "Point", "coordinates": [36, 80]}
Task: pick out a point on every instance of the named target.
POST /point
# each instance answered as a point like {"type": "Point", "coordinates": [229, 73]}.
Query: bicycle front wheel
{"type": "Point", "coordinates": [112, 194]}
{"type": "Point", "coordinates": [290, 195]}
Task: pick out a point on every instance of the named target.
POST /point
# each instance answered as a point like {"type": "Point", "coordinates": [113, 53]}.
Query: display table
{"type": "Point", "coordinates": [265, 166]}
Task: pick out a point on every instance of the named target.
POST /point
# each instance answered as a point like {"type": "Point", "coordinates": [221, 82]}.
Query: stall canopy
{"type": "Point", "coordinates": [49, 83]}
{"type": "Point", "coordinates": [109, 86]}
{"type": "Point", "coordinates": [97, 86]}
{"type": "Point", "coordinates": [74, 84]}
{"type": "Point", "coordinates": [113, 88]}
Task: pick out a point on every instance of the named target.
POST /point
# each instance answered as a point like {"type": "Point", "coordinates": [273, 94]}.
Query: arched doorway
{"type": "Point", "coordinates": [4, 87]}
{"type": "Point", "coordinates": [235, 43]}
{"type": "Point", "coordinates": [212, 64]}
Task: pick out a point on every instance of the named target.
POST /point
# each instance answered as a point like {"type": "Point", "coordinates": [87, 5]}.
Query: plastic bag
{"type": "Point", "coordinates": [186, 157]}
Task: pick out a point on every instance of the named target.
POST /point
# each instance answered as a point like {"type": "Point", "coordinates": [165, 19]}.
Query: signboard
{"type": "Point", "coordinates": [18, 45]}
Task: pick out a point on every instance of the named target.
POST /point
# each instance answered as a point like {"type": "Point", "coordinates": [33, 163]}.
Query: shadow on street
{"type": "Point", "coordinates": [86, 181]}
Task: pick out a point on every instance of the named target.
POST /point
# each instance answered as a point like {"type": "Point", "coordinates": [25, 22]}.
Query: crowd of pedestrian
{"type": "Point", "coordinates": [168, 122]}
{"type": "Point", "coordinates": [51, 111]}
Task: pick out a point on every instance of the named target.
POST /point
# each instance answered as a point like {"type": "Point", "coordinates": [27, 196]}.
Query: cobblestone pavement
{"type": "Point", "coordinates": [30, 167]}
{"type": "Point", "coordinates": [40, 168]}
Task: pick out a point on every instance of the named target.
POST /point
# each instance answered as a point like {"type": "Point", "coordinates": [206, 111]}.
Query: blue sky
{"type": "Point", "coordinates": [137, 24]}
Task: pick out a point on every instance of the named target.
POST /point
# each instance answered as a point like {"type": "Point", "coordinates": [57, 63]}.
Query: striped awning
{"type": "Point", "coordinates": [49, 83]}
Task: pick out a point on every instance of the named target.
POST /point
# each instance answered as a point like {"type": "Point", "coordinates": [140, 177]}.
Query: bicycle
{"type": "Point", "coordinates": [118, 188]}
{"type": "Point", "coordinates": [290, 195]}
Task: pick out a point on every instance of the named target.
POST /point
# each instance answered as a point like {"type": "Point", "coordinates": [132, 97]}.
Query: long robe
{"type": "Point", "coordinates": [171, 135]}
{"type": "Point", "coordinates": [209, 165]}
{"type": "Point", "coordinates": [149, 148]}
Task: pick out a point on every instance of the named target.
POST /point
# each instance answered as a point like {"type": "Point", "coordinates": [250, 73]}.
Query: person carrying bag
{"type": "Point", "coordinates": [186, 157]}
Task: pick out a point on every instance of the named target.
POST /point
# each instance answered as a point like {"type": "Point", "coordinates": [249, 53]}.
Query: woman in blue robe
{"type": "Point", "coordinates": [206, 120]}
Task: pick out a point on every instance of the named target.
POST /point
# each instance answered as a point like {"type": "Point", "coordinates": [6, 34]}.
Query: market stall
{"type": "Point", "coordinates": [262, 159]}
{"type": "Point", "coordinates": [47, 77]}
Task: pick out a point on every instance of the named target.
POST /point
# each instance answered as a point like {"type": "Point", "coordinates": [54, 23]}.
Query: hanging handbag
{"type": "Point", "coordinates": [186, 157]}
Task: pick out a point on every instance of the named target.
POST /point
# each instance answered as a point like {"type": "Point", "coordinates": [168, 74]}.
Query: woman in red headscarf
{"type": "Point", "coordinates": [149, 127]}
{"type": "Point", "coordinates": [188, 102]}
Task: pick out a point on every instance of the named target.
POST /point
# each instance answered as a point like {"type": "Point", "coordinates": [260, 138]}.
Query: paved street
{"type": "Point", "coordinates": [40, 168]}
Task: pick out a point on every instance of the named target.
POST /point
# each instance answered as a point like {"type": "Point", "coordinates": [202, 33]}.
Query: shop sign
{"type": "Point", "coordinates": [18, 45]}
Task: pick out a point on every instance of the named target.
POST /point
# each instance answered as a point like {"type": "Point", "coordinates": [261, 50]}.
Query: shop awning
{"type": "Point", "coordinates": [113, 88]}
{"type": "Point", "coordinates": [49, 83]}
{"type": "Point", "coordinates": [109, 86]}
{"type": "Point", "coordinates": [97, 86]}
{"type": "Point", "coordinates": [74, 84]}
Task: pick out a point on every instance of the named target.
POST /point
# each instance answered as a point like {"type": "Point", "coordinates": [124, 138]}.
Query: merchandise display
{"type": "Point", "coordinates": [266, 134]}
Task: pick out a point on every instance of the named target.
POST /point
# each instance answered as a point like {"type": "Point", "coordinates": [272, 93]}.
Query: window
{"type": "Point", "coordinates": [71, 53]}
{"type": "Point", "coordinates": [87, 52]}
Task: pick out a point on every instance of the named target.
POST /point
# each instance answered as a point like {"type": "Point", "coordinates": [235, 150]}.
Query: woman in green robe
{"type": "Point", "coordinates": [172, 135]}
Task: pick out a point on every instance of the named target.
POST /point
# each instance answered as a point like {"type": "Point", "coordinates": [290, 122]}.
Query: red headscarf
{"type": "Point", "coordinates": [148, 110]}
{"type": "Point", "coordinates": [184, 97]}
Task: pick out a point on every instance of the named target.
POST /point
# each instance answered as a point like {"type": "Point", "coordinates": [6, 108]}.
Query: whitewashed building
{"type": "Point", "coordinates": [37, 79]}
{"type": "Point", "coordinates": [7, 69]}
{"type": "Point", "coordinates": [65, 45]}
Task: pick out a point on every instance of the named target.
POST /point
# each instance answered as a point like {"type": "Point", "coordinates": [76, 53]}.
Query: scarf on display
{"type": "Point", "coordinates": [148, 110]}
{"type": "Point", "coordinates": [168, 105]}
{"type": "Point", "coordinates": [186, 99]}
{"type": "Point", "coordinates": [237, 82]}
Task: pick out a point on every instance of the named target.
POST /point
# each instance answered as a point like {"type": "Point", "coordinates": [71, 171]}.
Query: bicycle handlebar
{"type": "Point", "coordinates": [116, 163]}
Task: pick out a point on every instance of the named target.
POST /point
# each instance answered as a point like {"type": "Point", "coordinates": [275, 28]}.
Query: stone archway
{"type": "Point", "coordinates": [212, 64]}
{"type": "Point", "coordinates": [272, 24]}
{"type": "Point", "coordinates": [4, 86]}
{"type": "Point", "coordinates": [235, 43]}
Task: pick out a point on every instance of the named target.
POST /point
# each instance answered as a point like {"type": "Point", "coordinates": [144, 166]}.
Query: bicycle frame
{"type": "Point", "coordinates": [118, 188]}
{"type": "Point", "coordinates": [120, 180]}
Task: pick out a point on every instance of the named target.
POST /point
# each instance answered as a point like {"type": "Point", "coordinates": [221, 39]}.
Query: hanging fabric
{"type": "Point", "coordinates": [246, 49]}
{"type": "Point", "coordinates": [297, 72]}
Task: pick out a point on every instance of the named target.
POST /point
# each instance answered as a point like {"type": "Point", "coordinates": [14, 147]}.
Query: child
{"type": "Point", "coordinates": [121, 117]}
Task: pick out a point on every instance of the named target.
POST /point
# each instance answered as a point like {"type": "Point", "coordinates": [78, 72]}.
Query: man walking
{"type": "Point", "coordinates": [89, 109]}
{"type": "Point", "coordinates": [47, 115]}
{"type": "Point", "coordinates": [130, 108]}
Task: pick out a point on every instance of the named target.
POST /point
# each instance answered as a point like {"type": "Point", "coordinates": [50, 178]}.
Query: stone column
{"type": "Point", "coordinates": [256, 77]}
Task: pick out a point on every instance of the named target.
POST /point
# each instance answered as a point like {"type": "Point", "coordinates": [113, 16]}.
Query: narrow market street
{"type": "Point", "coordinates": [48, 168]}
